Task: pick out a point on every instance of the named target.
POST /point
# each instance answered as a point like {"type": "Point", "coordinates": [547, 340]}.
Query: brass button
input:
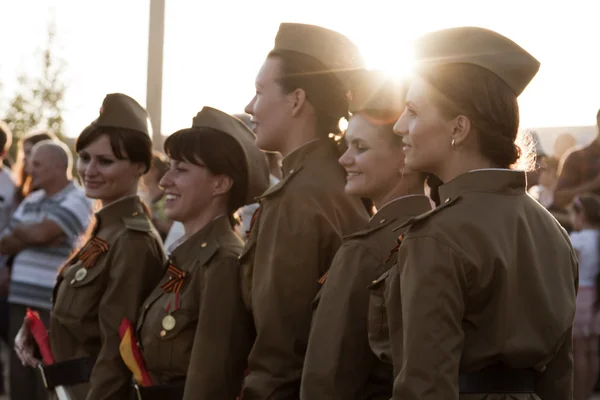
{"type": "Point", "coordinates": [374, 282]}
{"type": "Point", "coordinates": [447, 200]}
{"type": "Point", "coordinates": [73, 281]}
{"type": "Point", "coordinates": [382, 221]}
{"type": "Point", "coordinates": [292, 171]}
{"type": "Point", "coordinates": [135, 214]}
{"type": "Point", "coordinates": [204, 244]}
{"type": "Point", "coordinates": [163, 333]}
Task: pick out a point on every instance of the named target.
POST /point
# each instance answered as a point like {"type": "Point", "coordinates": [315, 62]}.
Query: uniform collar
{"type": "Point", "coordinates": [502, 181]}
{"type": "Point", "coordinates": [130, 206]}
{"type": "Point", "coordinates": [205, 240]}
{"type": "Point", "coordinates": [396, 211]}
{"type": "Point", "coordinates": [303, 154]}
{"type": "Point", "coordinates": [309, 154]}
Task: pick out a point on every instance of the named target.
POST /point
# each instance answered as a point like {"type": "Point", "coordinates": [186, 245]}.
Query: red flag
{"type": "Point", "coordinates": [131, 354]}
{"type": "Point", "coordinates": [40, 334]}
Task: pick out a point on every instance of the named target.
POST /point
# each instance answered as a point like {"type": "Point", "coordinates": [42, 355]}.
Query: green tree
{"type": "Point", "coordinates": [38, 101]}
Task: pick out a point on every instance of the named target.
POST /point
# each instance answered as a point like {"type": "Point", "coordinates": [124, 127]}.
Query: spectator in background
{"type": "Point", "coordinates": [7, 185]}
{"type": "Point", "coordinates": [20, 173]}
{"type": "Point", "coordinates": [580, 174]}
{"type": "Point", "coordinates": [563, 143]}
{"type": "Point", "coordinates": [7, 197]}
{"type": "Point", "coordinates": [543, 192]}
{"type": "Point", "coordinates": [154, 196]}
{"type": "Point", "coordinates": [585, 219]}
{"type": "Point", "coordinates": [41, 235]}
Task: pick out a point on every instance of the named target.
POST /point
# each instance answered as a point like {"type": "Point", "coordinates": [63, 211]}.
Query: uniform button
{"type": "Point", "coordinates": [163, 333]}
{"type": "Point", "coordinates": [135, 214]}
{"type": "Point", "coordinates": [204, 244]}
{"type": "Point", "coordinates": [447, 200]}
{"type": "Point", "coordinates": [292, 171]}
{"type": "Point", "coordinates": [374, 282]}
{"type": "Point", "coordinates": [382, 221]}
{"type": "Point", "coordinates": [147, 306]}
{"type": "Point", "coordinates": [73, 281]}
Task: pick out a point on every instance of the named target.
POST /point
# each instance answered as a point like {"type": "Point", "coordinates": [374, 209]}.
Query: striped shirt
{"type": "Point", "coordinates": [34, 268]}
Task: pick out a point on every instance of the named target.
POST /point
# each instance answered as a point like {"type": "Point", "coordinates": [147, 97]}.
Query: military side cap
{"type": "Point", "coordinates": [482, 47]}
{"type": "Point", "coordinates": [121, 111]}
{"type": "Point", "coordinates": [374, 90]}
{"type": "Point", "coordinates": [256, 161]}
{"type": "Point", "coordinates": [335, 51]}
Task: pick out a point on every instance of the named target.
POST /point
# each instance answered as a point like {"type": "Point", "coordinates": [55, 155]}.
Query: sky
{"type": "Point", "coordinates": [213, 49]}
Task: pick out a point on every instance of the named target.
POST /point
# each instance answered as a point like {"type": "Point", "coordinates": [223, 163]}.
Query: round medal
{"type": "Point", "coordinates": [168, 323]}
{"type": "Point", "coordinates": [80, 274]}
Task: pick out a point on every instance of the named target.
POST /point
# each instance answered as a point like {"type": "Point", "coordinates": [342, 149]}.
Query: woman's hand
{"type": "Point", "coordinates": [24, 346]}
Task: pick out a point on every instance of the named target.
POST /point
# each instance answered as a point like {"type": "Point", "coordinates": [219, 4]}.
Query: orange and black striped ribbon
{"type": "Point", "coordinates": [396, 247]}
{"type": "Point", "coordinates": [255, 216]}
{"type": "Point", "coordinates": [173, 285]}
{"type": "Point", "coordinates": [323, 278]}
{"type": "Point", "coordinates": [92, 250]}
{"type": "Point", "coordinates": [176, 278]}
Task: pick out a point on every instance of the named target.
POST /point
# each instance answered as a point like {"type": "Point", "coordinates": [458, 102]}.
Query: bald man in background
{"type": "Point", "coordinates": [42, 233]}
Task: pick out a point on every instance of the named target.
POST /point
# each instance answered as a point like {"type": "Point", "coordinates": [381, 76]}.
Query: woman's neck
{"type": "Point", "coordinates": [201, 220]}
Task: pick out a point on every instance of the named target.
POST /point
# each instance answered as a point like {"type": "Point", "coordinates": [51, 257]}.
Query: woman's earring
{"type": "Point", "coordinates": [453, 144]}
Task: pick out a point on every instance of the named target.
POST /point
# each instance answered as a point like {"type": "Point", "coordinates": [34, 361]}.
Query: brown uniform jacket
{"type": "Point", "coordinates": [211, 322]}
{"type": "Point", "coordinates": [87, 311]}
{"type": "Point", "coordinates": [488, 277]}
{"type": "Point", "coordinates": [339, 363]}
{"type": "Point", "coordinates": [300, 226]}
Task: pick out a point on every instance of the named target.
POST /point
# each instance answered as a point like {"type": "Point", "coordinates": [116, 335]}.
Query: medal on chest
{"type": "Point", "coordinates": [173, 288]}
{"type": "Point", "coordinates": [88, 256]}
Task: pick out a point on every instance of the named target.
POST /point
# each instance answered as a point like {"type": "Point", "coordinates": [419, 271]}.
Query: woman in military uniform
{"type": "Point", "coordinates": [194, 330]}
{"type": "Point", "coordinates": [107, 280]}
{"type": "Point", "coordinates": [300, 99]}
{"type": "Point", "coordinates": [483, 300]}
{"type": "Point", "coordinates": [339, 363]}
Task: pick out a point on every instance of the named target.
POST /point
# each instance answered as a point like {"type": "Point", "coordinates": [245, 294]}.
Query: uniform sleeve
{"type": "Point", "coordinates": [223, 337]}
{"type": "Point", "coordinates": [296, 245]}
{"type": "Point", "coordinates": [433, 291]}
{"type": "Point", "coordinates": [338, 359]}
{"type": "Point", "coordinates": [136, 266]}
{"type": "Point", "coordinates": [556, 381]}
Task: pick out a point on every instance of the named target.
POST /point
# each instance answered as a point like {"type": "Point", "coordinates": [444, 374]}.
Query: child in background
{"type": "Point", "coordinates": [543, 192]}
{"type": "Point", "coordinates": [584, 214]}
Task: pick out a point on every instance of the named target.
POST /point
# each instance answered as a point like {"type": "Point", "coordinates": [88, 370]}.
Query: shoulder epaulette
{"type": "Point", "coordinates": [137, 222]}
{"type": "Point", "coordinates": [424, 216]}
{"type": "Point", "coordinates": [279, 185]}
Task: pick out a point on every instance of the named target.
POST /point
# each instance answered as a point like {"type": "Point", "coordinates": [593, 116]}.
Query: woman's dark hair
{"type": "Point", "coordinates": [434, 184]}
{"type": "Point", "coordinates": [589, 205]}
{"type": "Point", "coordinates": [22, 179]}
{"type": "Point", "coordinates": [217, 151]}
{"type": "Point", "coordinates": [126, 144]}
{"type": "Point", "coordinates": [488, 102]}
{"type": "Point", "coordinates": [323, 89]}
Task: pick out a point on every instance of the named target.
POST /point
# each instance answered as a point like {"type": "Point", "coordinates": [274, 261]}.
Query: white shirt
{"type": "Point", "coordinates": [7, 197]}
{"type": "Point", "coordinates": [587, 242]}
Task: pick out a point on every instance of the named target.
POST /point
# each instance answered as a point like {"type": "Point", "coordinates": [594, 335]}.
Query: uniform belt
{"type": "Point", "coordinates": [67, 373]}
{"type": "Point", "coordinates": [160, 392]}
{"type": "Point", "coordinates": [497, 379]}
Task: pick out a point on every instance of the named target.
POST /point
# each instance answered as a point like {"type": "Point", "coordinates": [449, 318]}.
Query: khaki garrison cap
{"type": "Point", "coordinates": [482, 47]}
{"type": "Point", "coordinates": [121, 111]}
{"type": "Point", "coordinates": [374, 90]}
{"type": "Point", "coordinates": [335, 51]}
{"type": "Point", "coordinates": [256, 161]}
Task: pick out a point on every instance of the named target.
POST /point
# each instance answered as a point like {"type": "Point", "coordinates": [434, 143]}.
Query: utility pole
{"type": "Point", "coordinates": [155, 68]}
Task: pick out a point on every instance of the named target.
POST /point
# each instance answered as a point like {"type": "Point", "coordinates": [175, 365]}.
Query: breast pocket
{"type": "Point", "coordinates": [174, 338]}
{"type": "Point", "coordinates": [83, 290]}
{"type": "Point", "coordinates": [377, 317]}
